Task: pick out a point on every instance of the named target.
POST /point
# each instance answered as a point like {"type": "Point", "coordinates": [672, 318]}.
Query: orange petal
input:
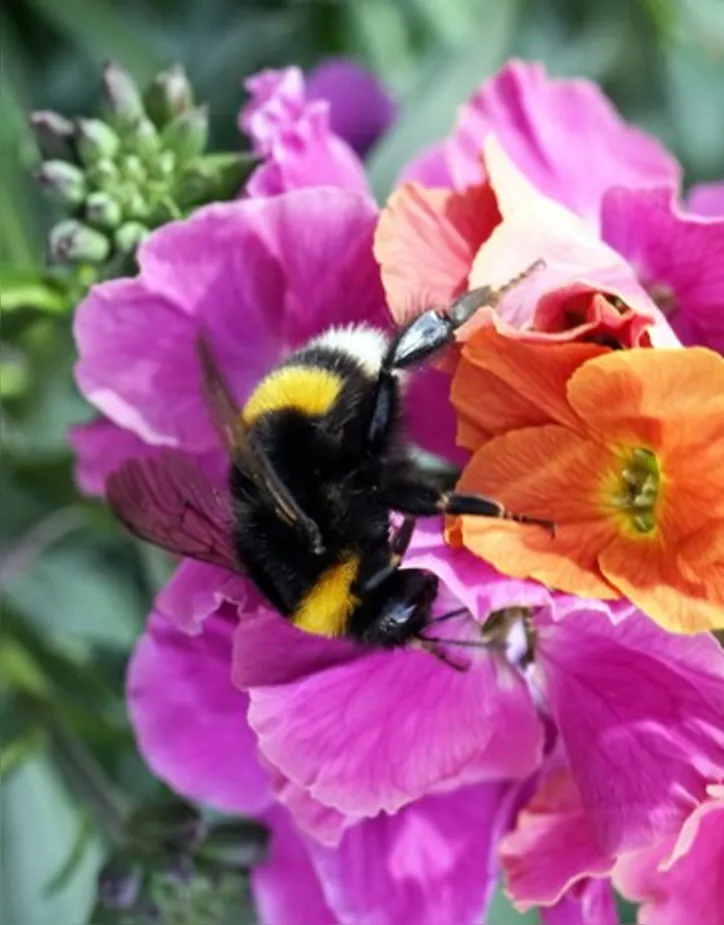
{"type": "Point", "coordinates": [681, 589]}
{"type": "Point", "coordinates": [425, 243]}
{"type": "Point", "coordinates": [547, 472]}
{"type": "Point", "coordinates": [502, 383]}
{"type": "Point", "coordinates": [652, 398]}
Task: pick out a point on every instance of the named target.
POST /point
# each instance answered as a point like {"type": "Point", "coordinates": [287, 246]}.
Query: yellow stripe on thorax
{"type": "Point", "coordinates": [325, 609]}
{"type": "Point", "coordinates": [309, 389]}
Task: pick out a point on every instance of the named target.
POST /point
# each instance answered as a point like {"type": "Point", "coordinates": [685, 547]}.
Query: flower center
{"type": "Point", "coordinates": [639, 489]}
{"type": "Point", "coordinates": [511, 631]}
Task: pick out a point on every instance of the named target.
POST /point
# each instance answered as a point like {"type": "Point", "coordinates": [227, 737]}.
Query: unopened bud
{"type": "Point", "coordinates": [96, 141]}
{"type": "Point", "coordinates": [53, 132]}
{"type": "Point", "coordinates": [129, 236]}
{"type": "Point", "coordinates": [73, 242]}
{"type": "Point", "coordinates": [122, 94]}
{"type": "Point", "coordinates": [132, 169]}
{"type": "Point", "coordinates": [103, 211]}
{"type": "Point", "coordinates": [169, 95]}
{"type": "Point", "coordinates": [187, 135]}
{"type": "Point", "coordinates": [103, 176]}
{"type": "Point", "coordinates": [63, 181]}
{"type": "Point", "coordinates": [119, 883]}
{"type": "Point", "coordinates": [143, 139]}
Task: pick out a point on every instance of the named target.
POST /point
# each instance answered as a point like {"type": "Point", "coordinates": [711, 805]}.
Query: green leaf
{"type": "Point", "coordinates": [17, 751]}
{"type": "Point", "coordinates": [428, 112]}
{"type": "Point", "coordinates": [40, 825]}
{"type": "Point", "coordinates": [236, 845]}
{"type": "Point", "coordinates": [25, 289]}
{"type": "Point", "coordinates": [501, 912]}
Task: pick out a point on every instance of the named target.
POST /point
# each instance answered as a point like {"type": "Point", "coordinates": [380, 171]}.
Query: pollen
{"type": "Point", "coordinates": [638, 489]}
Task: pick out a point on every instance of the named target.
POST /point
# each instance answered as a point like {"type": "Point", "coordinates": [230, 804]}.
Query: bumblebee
{"type": "Point", "coordinates": [318, 463]}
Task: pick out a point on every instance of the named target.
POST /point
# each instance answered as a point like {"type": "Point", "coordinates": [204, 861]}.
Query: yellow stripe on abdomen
{"type": "Point", "coordinates": [325, 609]}
{"type": "Point", "coordinates": [309, 389]}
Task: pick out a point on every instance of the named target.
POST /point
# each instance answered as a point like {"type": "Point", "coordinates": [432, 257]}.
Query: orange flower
{"type": "Point", "coordinates": [624, 450]}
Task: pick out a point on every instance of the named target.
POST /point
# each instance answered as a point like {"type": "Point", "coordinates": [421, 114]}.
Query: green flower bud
{"type": "Point", "coordinates": [63, 181]}
{"type": "Point", "coordinates": [53, 133]}
{"type": "Point", "coordinates": [73, 242]}
{"type": "Point", "coordinates": [142, 138]}
{"type": "Point", "coordinates": [104, 176]}
{"type": "Point", "coordinates": [96, 141]}
{"type": "Point", "coordinates": [103, 211]}
{"type": "Point", "coordinates": [187, 135]}
{"type": "Point", "coordinates": [132, 169]}
{"type": "Point", "coordinates": [122, 94]}
{"type": "Point", "coordinates": [129, 236]}
{"type": "Point", "coordinates": [136, 206]}
{"type": "Point", "coordinates": [163, 166]}
{"type": "Point", "coordinates": [169, 95]}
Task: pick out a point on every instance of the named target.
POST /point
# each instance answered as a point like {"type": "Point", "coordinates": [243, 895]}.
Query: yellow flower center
{"type": "Point", "coordinates": [638, 489]}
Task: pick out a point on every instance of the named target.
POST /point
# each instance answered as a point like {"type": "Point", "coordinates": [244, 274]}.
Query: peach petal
{"type": "Point", "coordinates": [547, 472]}
{"type": "Point", "coordinates": [425, 243]}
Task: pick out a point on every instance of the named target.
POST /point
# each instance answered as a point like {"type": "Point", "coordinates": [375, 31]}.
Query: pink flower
{"type": "Point", "coordinates": [308, 137]}
{"type": "Point", "coordinates": [566, 139]}
{"type": "Point", "coordinates": [433, 244]}
{"type": "Point", "coordinates": [680, 878]}
{"type": "Point", "coordinates": [564, 135]}
{"type": "Point", "coordinates": [641, 723]}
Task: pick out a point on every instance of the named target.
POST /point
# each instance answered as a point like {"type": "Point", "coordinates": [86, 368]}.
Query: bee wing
{"type": "Point", "coordinates": [168, 501]}
{"type": "Point", "coordinates": [246, 451]}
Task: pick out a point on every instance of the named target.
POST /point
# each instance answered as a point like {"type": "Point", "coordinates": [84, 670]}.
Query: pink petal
{"type": "Point", "coordinates": [431, 863]}
{"type": "Point", "coordinates": [641, 715]}
{"type": "Point", "coordinates": [467, 578]}
{"type": "Point", "coordinates": [352, 736]}
{"type": "Point", "coordinates": [286, 889]}
{"type": "Point", "coordinates": [707, 199]}
{"type": "Point", "coordinates": [430, 417]}
{"type": "Point", "coordinates": [589, 902]}
{"type": "Point", "coordinates": [553, 846]}
{"type": "Point", "coordinates": [677, 255]}
{"type": "Point", "coordinates": [312, 818]}
{"type": "Point", "coordinates": [100, 447]}
{"type": "Point", "coordinates": [197, 591]}
{"type": "Point", "coordinates": [429, 167]}
{"type": "Point", "coordinates": [564, 135]}
{"type": "Point", "coordinates": [426, 241]}
{"type": "Point", "coordinates": [190, 721]}
{"type": "Point", "coordinates": [680, 880]}
{"type": "Point", "coordinates": [535, 228]}
{"type": "Point", "coordinates": [295, 138]}
{"type": "Point", "coordinates": [360, 109]}
{"type": "Point", "coordinates": [258, 276]}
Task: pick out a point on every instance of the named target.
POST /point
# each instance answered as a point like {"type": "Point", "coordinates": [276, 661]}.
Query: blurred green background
{"type": "Point", "coordinates": [74, 591]}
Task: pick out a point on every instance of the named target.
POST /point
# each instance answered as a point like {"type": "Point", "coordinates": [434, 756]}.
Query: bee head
{"type": "Point", "coordinates": [403, 607]}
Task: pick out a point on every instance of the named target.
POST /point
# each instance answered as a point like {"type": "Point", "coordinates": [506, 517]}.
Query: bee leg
{"type": "Point", "coordinates": [414, 494]}
{"type": "Point", "coordinates": [398, 547]}
{"type": "Point", "coordinates": [427, 645]}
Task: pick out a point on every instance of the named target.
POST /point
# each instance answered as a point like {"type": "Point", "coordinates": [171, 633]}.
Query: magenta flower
{"type": "Point", "coordinates": [569, 142]}
{"type": "Point", "coordinates": [310, 136]}
{"type": "Point", "coordinates": [680, 878]}
{"type": "Point", "coordinates": [624, 695]}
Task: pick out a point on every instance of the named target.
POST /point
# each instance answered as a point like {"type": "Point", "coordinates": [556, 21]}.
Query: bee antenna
{"type": "Point", "coordinates": [466, 643]}
{"type": "Point", "coordinates": [449, 616]}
